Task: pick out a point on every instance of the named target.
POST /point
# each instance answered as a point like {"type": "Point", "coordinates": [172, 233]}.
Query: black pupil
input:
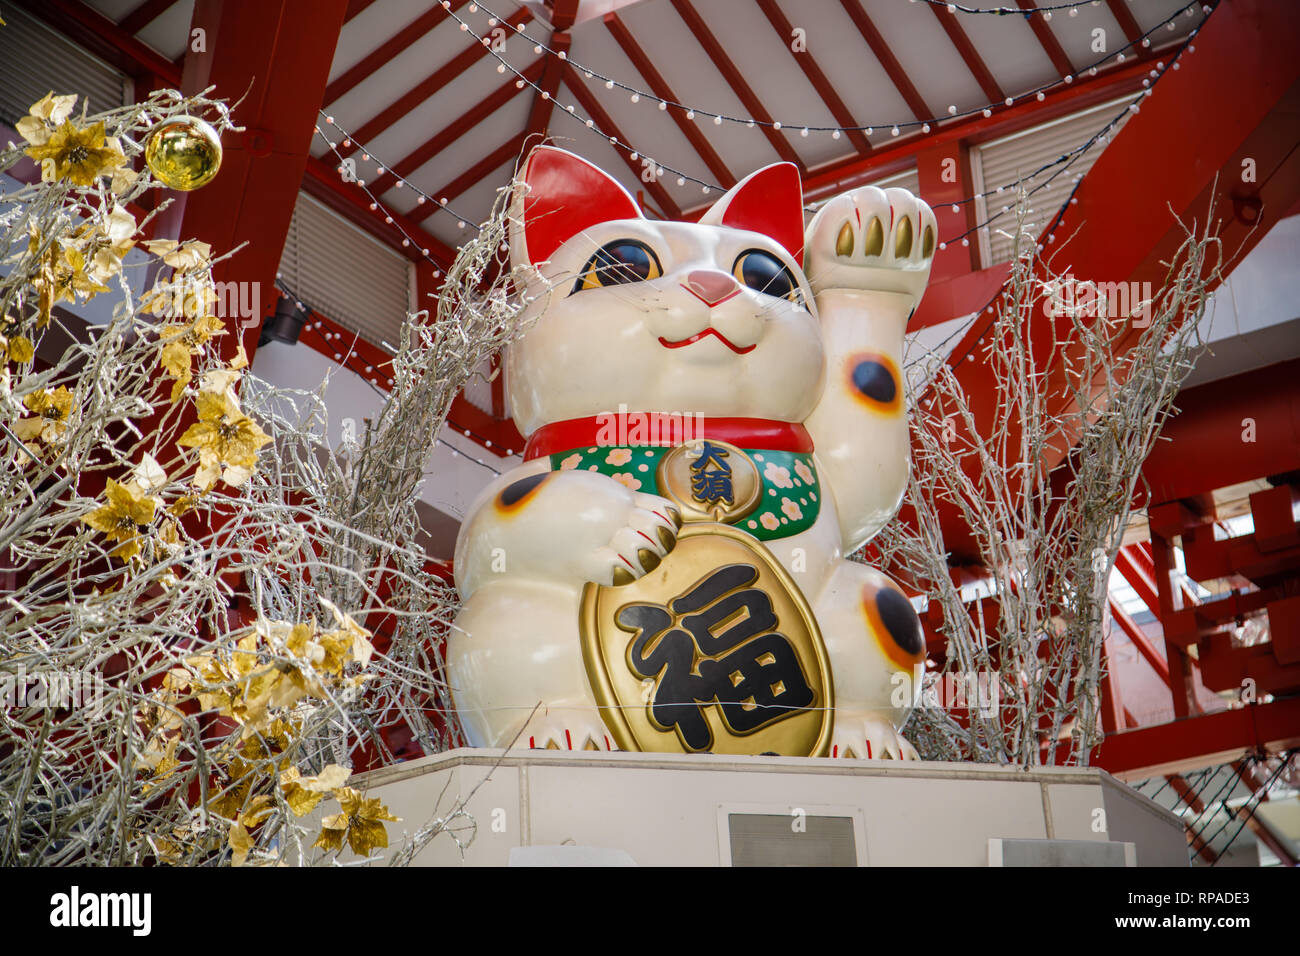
{"type": "Point", "coordinates": [623, 262]}
{"type": "Point", "coordinates": [764, 272]}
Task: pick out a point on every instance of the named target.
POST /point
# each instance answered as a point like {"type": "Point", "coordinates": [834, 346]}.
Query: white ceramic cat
{"type": "Point", "coordinates": [768, 337]}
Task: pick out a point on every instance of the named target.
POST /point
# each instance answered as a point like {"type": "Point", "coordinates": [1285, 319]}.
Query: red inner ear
{"type": "Point", "coordinates": [567, 194]}
{"type": "Point", "coordinates": [771, 202]}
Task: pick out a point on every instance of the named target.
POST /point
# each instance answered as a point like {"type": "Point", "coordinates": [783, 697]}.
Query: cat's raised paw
{"type": "Point", "coordinates": [871, 239]}
{"type": "Point", "coordinates": [867, 736]}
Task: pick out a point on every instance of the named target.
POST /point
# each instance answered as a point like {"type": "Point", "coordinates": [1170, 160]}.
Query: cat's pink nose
{"type": "Point", "coordinates": [711, 286]}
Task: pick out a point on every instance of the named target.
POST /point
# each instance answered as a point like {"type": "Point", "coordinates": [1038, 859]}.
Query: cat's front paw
{"type": "Point", "coordinates": [869, 736]}
{"type": "Point", "coordinates": [871, 239]}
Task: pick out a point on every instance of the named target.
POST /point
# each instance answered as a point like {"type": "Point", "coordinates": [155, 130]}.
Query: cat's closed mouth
{"type": "Point", "coordinates": [699, 335]}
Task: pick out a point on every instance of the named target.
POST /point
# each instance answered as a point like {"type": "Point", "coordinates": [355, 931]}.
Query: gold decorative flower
{"type": "Point", "coordinates": [122, 517]}
{"type": "Point", "coordinates": [303, 793]}
{"type": "Point", "coordinates": [13, 346]}
{"type": "Point", "coordinates": [226, 439]}
{"type": "Point", "coordinates": [78, 155]}
{"type": "Point", "coordinates": [51, 408]}
{"type": "Point", "coordinates": [104, 242]}
{"type": "Point", "coordinates": [359, 823]}
{"type": "Point", "coordinates": [50, 111]}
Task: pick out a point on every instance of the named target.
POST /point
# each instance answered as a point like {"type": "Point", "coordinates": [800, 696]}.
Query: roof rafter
{"type": "Point", "coordinates": [893, 69]}
{"type": "Point", "coordinates": [659, 86]}
{"type": "Point", "coordinates": [1047, 40]}
{"type": "Point", "coordinates": [452, 132]}
{"type": "Point", "coordinates": [144, 14]}
{"type": "Point", "coordinates": [355, 7]}
{"type": "Point", "coordinates": [825, 89]}
{"type": "Point", "coordinates": [429, 86]}
{"type": "Point", "coordinates": [605, 122]}
{"type": "Point", "coordinates": [700, 30]}
{"type": "Point", "coordinates": [470, 177]}
{"type": "Point", "coordinates": [968, 53]}
{"type": "Point", "coordinates": [539, 117]}
{"type": "Point", "coordinates": [414, 31]}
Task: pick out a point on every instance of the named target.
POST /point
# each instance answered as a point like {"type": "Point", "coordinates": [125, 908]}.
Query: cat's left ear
{"type": "Point", "coordinates": [769, 201]}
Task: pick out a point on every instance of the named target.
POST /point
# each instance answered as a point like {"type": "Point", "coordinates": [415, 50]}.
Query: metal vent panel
{"type": "Point", "coordinates": [35, 59]}
{"type": "Point", "coordinates": [345, 274]}
{"type": "Point", "coordinates": [770, 839]}
{"type": "Point", "coordinates": [1003, 161]}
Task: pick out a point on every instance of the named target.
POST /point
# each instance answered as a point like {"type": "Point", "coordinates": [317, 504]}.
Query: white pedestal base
{"type": "Point", "coordinates": [671, 810]}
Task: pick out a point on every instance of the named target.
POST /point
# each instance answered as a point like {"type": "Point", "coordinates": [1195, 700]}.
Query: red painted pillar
{"type": "Point", "coordinates": [275, 56]}
{"type": "Point", "coordinates": [944, 174]}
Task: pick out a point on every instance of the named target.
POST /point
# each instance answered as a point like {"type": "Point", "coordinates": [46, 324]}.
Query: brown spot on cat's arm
{"type": "Point", "coordinates": [515, 496]}
{"type": "Point", "coordinates": [894, 625]}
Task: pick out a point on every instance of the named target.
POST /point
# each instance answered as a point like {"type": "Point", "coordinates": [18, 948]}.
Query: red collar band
{"type": "Point", "coordinates": [665, 430]}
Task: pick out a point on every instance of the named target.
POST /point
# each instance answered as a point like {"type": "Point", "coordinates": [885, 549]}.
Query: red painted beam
{"type": "Point", "coordinates": [1196, 742]}
{"type": "Point", "coordinates": [606, 123]}
{"type": "Point", "coordinates": [944, 174]}
{"type": "Point", "coordinates": [427, 87]}
{"type": "Point", "coordinates": [1139, 575]}
{"type": "Point", "coordinates": [700, 30]}
{"type": "Point", "coordinates": [143, 15]}
{"type": "Point", "coordinates": [355, 7]}
{"type": "Point", "coordinates": [452, 132]}
{"type": "Point", "coordinates": [287, 57]}
{"type": "Point", "coordinates": [1181, 679]}
{"type": "Point", "coordinates": [539, 117]}
{"type": "Point", "coordinates": [1220, 415]}
{"type": "Point", "coordinates": [1132, 31]}
{"type": "Point", "coordinates": [414, 31]}
{"type": "Point", "coordinates": [1047, 40]}
{"type": "Point", "coordinates": [970, 56]}
{"type": "Point", "coordinates": [1139, 639]}
{"type": "Point", "coordinates": [885, 54]}
{"type": "Point", "coordinates": [502, 154]}
{"type": "Point", "coordinates": [825, 89]}
{"type": "Point", "coordinates": [659, 86]}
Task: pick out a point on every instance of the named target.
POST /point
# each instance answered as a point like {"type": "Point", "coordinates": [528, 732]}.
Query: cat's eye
{"type": "Point", "coordinates": [615, 263]}
{"type": "Point", "coordinates": [765, 273]}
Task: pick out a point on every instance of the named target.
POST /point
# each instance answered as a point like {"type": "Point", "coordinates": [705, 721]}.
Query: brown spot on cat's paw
{"type": "Point", "coordinates": [515, 495]}
{"type": "Point", "coordinates": [894, 624]}
{"type": "Point", "coordinates": [873, 378]}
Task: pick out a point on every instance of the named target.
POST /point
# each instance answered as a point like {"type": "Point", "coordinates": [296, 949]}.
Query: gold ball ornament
{"type": "Point", "coordinates": [183, 153]}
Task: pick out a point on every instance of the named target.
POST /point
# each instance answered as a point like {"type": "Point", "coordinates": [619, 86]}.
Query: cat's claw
{"type": "Point", "coordinates": [869, 737]}
{"type": "Point", "coordinates": [871, 239]}
{"type": "Point", "coordinates": [558, 729]}
{"type": "Point", "coordinates": [638, 548]}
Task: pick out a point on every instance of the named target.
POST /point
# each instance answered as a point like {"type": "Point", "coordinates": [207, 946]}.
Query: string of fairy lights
{"type": "Point", "coordinates": [494, 23]}
{"type": "Point", "coordinates": [1060, 165]}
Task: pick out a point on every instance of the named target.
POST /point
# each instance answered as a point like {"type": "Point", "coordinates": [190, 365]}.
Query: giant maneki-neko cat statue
{"type": "Point", "coordinates": [715, 421]}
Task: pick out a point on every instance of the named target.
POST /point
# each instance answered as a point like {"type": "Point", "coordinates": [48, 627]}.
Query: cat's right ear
{"type": "Point", "coordinates": [557, 195]}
